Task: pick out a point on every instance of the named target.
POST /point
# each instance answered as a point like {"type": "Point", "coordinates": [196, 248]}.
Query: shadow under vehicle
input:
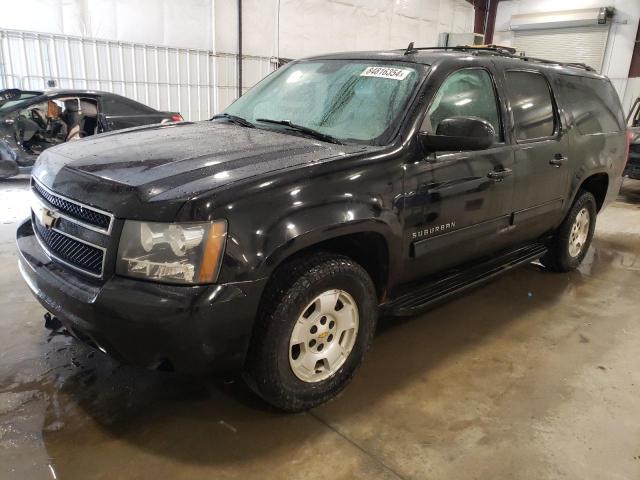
{"type": "Point", "coordinates": [32, 121]}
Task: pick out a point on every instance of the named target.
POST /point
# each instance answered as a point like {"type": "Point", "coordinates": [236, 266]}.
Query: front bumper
{"type": "Point", "coordinates": [190, 328]}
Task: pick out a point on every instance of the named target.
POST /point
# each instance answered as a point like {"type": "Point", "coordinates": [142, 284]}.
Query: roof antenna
{"type": "Point", "coordinates": [409, 49]}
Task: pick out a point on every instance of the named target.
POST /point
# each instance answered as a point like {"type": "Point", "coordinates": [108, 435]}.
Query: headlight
{"type": "Point", "coordinates": [172, 252]}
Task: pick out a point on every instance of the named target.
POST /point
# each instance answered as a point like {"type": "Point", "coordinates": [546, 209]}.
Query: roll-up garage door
{"type": "Point", "coordinates": [569, 44]}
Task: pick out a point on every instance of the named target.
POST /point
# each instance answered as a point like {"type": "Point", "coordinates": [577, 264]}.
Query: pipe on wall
{"type": "Point", "coordinates": [634, 68]}
{"type": "Point", "coordinates": [485, 17]}
{"type": "Point", "coordinates": [239, 48]}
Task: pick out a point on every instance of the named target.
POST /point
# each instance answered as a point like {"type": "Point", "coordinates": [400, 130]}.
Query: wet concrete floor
{"type": "Point", "coordinates": [533, 376]}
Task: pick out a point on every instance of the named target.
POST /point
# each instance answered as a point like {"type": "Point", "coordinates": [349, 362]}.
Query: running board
{"type": "Point", "coordinates": [442, 287]}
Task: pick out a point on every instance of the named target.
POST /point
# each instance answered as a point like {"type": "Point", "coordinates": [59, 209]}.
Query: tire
{"type": "Point", "coordinates": [564, 252]}
{"type": "Point", "coordinates": [297, 299]}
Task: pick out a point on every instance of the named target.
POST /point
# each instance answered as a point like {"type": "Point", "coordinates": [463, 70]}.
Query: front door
{"type": "Point", "coordinates": [541, 158]}
{"type": "Point", "coordinates": [458, 204]}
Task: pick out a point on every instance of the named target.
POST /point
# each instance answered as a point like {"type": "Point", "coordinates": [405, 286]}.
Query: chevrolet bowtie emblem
{"type": "Point", "coordinates": [47, 217]}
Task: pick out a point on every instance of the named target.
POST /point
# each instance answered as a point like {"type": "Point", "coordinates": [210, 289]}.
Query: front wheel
{"type": "Point", "coordinates": [572, 240]}
{"type": "Point", "coordinates": [316, 322]}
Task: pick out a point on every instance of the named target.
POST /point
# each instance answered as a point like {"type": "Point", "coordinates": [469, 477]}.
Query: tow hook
{"type": "Point", "coordinates": [51, 322]}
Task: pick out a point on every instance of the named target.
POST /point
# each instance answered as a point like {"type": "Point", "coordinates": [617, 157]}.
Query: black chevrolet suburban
{"type": "Point", "coordinates": [268, 239]}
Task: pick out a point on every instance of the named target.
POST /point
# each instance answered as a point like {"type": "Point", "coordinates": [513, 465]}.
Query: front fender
{"type": "Point", "coordinates": [257, 253]}
{"type": "Point", "coordinates": [299, 233]}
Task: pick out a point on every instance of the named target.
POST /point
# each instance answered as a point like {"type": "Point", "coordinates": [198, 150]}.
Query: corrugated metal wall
{"type": "Point", "coordinates": [197, 83]}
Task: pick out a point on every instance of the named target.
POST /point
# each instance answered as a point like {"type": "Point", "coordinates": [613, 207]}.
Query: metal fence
{"type": "Point", "coordinates": [197, 83]}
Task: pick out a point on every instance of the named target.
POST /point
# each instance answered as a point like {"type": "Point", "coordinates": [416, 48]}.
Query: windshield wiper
{"type": "Point", "coordinates": [235, 119]}
{"type": "Point", "coordinates": [302, 129]}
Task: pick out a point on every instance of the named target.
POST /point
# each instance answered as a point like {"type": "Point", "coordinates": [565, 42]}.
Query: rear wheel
{"type": "Point", "coordinates": [316, 322]}
{"type": "Point", "coordinates": [572, 240]}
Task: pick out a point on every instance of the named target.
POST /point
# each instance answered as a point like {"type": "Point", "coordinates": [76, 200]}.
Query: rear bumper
{"type": "Point", "coordinates": [11, 163]}
{"type": "Point", "coordinates": [194, 329]}
{"type": "Point", "coordinates": [632, 169]}
{"type": "Point", "coordinates": [9, 168]}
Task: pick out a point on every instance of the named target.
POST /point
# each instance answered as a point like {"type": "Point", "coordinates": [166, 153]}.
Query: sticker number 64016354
{"type": "Point", "coordinates": [386, 72]}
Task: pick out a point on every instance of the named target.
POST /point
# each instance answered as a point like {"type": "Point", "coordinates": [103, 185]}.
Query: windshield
{"type": "Point", "coordinates": [23, 97]}
{"type": "Point", "coordinates": [348, 100]}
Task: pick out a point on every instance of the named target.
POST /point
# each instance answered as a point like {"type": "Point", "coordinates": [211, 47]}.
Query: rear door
{"type": "Point", "coordinates": [541, 154]}
{"type": "Point", "coordinates": [458, 204]}
{"type": "Point", "coordinates": [120, 112]}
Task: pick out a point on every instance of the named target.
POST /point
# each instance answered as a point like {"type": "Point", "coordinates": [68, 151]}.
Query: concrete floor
{"type": "Point", "coordinates": [533, 376]}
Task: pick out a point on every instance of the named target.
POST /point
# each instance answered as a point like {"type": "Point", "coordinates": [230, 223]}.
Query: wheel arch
{"type": "Point", "coordinates": [367, 244]}
{"type": "Point", "coordinates": [598, 185]}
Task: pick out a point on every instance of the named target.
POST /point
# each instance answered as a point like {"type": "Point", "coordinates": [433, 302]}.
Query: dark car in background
{"type": "Point", "coordinates": [32, 121]}
{"type": "Point", "coordinates": [632, 170]}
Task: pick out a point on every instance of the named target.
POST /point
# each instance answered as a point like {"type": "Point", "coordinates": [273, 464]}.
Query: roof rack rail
{"type": "Point", "coordinates": [582, 66]}
{"type": "Point", "coordinates": [503, 51]}
{"type": "Point", "coordinates": [493, 48]}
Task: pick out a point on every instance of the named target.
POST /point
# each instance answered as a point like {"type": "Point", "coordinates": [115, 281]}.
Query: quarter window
{"type": "Point", "coordinates": [467, 93]}
{"type": "Point", "coordinates": [593, 103]}
{"type": "Point", "coordinates": [531, 104]}
{"type": "Point", "coordinates": [116, 106]}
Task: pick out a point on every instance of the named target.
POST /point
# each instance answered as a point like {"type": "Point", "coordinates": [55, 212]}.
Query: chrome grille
{"type": "Point", "coordinates": [75, 210]}
{"type": "Point", "coordinates": [71, 251]}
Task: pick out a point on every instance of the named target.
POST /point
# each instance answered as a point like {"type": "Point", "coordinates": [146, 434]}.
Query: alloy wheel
{"type": "Point", "coordinates": [579, 232]}
{"type": "Point", "coordinates": [323, 336]}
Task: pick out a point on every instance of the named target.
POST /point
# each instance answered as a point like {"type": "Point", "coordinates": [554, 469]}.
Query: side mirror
{"type": "Point", "coordinates": [458, 134]}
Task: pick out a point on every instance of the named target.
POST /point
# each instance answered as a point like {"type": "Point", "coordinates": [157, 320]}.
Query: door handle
{"type": "Point", "coordinates": [499, 175]}
{"type": "Point", "coordinates": [558, 160]}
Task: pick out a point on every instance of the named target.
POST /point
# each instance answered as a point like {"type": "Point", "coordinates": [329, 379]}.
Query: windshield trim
{"type": "Point", "coordinates": [21, 103]}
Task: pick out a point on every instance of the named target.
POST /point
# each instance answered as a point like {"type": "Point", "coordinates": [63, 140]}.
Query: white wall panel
{"type": "Point", "coordinates": [313, 27]}
{"type": "Point", "coordinates": [632, 92]}
{"type": "Point", "coordinates": [310, 27]}
{"type": "Point", "coordinates": [165, 78]}
{"type": "Point", "coordinates": [178, 23]}
{"type": "Point", "coordinates": [127, 62]}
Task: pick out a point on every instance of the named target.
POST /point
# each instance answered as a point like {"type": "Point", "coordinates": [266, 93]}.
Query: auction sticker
{"type": "Point", "coordinates": [386, 72]}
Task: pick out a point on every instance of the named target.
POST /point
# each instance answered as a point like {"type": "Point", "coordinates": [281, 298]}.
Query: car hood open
{"type": "Point", "coordinates": [172, 163]}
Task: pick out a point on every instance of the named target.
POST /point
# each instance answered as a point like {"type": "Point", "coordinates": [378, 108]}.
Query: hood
{"type": "Point", "coordinates": [172, 162]}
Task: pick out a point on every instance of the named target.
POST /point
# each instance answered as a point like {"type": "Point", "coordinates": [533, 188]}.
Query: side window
{"type": "Point", "coordinates": [116, 106]}
{"type": "Point", "coordinates": [593, 103]}
{"type": "Point", "coordinates": [531, 104]}
{"type": "Point", "coordinates": [467, 93]}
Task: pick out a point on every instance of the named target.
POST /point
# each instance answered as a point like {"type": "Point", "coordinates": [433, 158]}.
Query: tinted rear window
{"type": "Point", "coordinates": [116, 106]}
{"type": "Point", "coordinates": [532, 105]}
{"type": "Point", "coordinates": [593, 103]}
